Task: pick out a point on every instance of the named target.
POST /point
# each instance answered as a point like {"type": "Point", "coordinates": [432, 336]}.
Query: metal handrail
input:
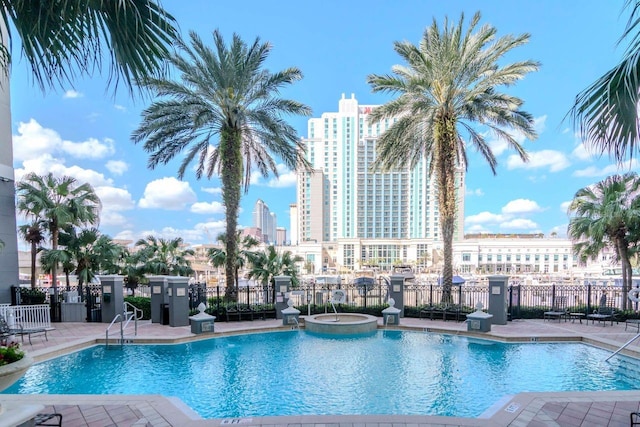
{"type": "Point", "coordinates": [125, 319]}
{"type": "Point", "coordinates": [118, 316]}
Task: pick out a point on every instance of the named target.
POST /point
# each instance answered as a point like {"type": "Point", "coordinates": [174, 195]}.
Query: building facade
{"type": "Point", "coordinates": [344, 198]}
{"type": "Point", "coordinates": [266, 221]}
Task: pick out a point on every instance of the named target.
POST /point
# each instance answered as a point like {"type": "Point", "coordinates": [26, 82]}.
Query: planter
{"type": "Point", "coordinates": [12, 372]}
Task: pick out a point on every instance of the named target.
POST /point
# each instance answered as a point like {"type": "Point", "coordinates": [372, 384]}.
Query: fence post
{"type": "Point", "coordinates": [430, 293]}
{"type": "Point", "coordinates": [588, 297]}
{"type": "Point", "coordinates": [553, 295]}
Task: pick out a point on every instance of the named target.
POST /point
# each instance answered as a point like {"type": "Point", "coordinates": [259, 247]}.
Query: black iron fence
{"type": "Point", "coordinates": [528, 300]}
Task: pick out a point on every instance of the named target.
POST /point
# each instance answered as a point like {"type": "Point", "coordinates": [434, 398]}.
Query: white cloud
{"type": "Point", "coordinates": [113, 198]}
{"type": "Point", "coordinates": [521, 206]}
{"type": "Point", "coordinates": [117, 167]}
{"type": "Point", "coordinates": [564, 206]}
{"type": "Point", "coordinates": [70, 94]}
{"type": "Point", "coordinates": [33, 141]}
{"type": "Point", "coordinates": [47, 164]}
{"type": "Point", "coordinates": [593, 171]}
{"type": "Point", "coordinates": [120, 107]}
{"type": "Point", "coordinates": [519, 224]}
{"type": "Point", "coordinates": [472, 192]}
{"type": "Point", "coordinates": [207, 208]}
{"type": "Point", "coordinates": [167, 193]}
{"type": "Point", "coordinates": [89, 149]}
{"type": "Point", "coordinates": [483, 218]}
{"type": "Point", "coordinates": [554, 160]}
{"type": "Point", "coordinates": [113, 218]}
{"type": "Point", "coordinates": [211, 190]}
{"type": "Point", "coordinates": [286, 178]}
{"type": "Point", "coordinates": [581, 152]}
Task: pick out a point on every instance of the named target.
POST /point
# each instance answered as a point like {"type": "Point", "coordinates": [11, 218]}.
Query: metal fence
{"type": "Point", "coordinates": [579, 297]}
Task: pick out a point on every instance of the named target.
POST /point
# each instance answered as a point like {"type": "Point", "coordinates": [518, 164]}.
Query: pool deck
{"type": "Point", "coordinates": [570, 409]}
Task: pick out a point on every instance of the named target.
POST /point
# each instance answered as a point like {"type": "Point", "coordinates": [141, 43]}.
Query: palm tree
{"type": "Point", "coordinates": [33, 233]}
{"type": "Point", "coordinates": [165, 256]}
{"type": "Point", "coordinates": [606, 112]}
{"type": "Point", "coordinates": [60, 203]}
{"type": "Point", "coordinates": [450, 84]}
{"type": "Point", "coordinates": [270, 263]}
{"type": "Point", "coordinates": [61, 39]}
{"type": "Point", "coordinates": [218, 258]}
{"type": "Point", "coordinates": [225, 112]}
{"type": "Point", "coordinates": [604, 214]}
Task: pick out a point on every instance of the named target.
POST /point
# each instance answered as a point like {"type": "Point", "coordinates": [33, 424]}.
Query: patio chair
{"type": "Point", "coordinates": [603, 313]}
{"type": "Point", "coordinates": [558, 310]}
{"type": "Point", "coordinates": [6, 331]}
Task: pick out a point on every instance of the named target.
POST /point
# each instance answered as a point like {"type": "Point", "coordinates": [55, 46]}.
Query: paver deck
{"type": "Point", "coordinates": [570, 409]}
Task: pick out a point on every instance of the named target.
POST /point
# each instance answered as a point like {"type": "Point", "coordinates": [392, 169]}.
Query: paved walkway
{"type": "Point", "coordinates": [570, 409]}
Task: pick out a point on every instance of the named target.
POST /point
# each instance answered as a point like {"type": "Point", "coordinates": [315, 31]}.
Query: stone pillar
{"type": "Point", "coordinates": [112, 302]}
{"type": "Point", "coordinates": [178, 301]}
{"type": "Point", "coordinates": [159, 297]}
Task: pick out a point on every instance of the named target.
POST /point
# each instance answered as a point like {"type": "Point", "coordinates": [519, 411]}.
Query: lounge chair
{"type": "Point", "coordinates": [603, 313]}
{"type": "Point", "coordinates": [558, 310]}
{"type": "Point", "coordinates": [6, 331]}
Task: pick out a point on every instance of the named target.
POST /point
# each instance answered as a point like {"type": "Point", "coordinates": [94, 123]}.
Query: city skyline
{"type": "Point", "coordinates": [84, 132]}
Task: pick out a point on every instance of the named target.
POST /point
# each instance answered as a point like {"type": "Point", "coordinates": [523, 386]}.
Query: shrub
{"type": "Point", "coordinates": [142, 303]}
{"type": "Point", "coordinates": [10, 353]}
{"type": "Point", "coordinates": [30, 296]}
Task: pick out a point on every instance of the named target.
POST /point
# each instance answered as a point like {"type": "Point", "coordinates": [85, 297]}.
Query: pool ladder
{"type": "Point", "coordinates": [129, 313]}
{"type": "Point", "coordinates": [622, 348]}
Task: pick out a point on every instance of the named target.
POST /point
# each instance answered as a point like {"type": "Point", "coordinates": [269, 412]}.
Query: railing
{"type": "Point", "coordinates": [28, 316]}
{"type": "Point", "coordinates": [115, 319]}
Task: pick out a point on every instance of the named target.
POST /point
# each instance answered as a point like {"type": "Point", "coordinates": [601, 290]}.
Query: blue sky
{"type": "Point", "coordinates": [84, 132]}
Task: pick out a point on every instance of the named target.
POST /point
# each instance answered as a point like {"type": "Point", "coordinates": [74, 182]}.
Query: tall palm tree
{"type": "Point", "coordinates": [225, 112]}
{"type": "Point", "coordinates": [33, 233]}
{"type": "Point", "coordinates": [606, 112]}
{"type": "Point", "coordinates": [61, 39]}
{"type": "Point", "coordinates": [604, 214]}
{"type": "Point", "coordinates": [165, 256]}
{"type": "Point", "coordinates": [218, 258]}
{"type": "Point", "coordinates": [60, 203]}
{"type": "Point", "coordinates": [450, 84]}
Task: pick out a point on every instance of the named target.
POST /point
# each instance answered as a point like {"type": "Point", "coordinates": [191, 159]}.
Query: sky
{"type": "Point", "coordinates": [85, 130]}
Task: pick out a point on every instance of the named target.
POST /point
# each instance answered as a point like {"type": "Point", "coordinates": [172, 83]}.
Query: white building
{"type": "Point", "coordinates": [265, 220]}
{"type": "Point", "coordinates": [342, 198]}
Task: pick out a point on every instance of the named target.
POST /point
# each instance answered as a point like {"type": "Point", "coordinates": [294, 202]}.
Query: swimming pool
{"type": "Point", "coordinates": [299, 373]}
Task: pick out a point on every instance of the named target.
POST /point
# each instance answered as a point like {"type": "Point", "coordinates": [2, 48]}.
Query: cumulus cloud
{"type": "Point", "coordinates": [483, 218]}
{"type": "Point", "coordinates": [48, 164]}
{"type": "Point", "coordinates": [519, 224]}
{"type": "Point", "coordinates": [207, 208]}
{"type": "Point", "coordinates": [89, 149]}
{"type": "Point", "coordinates": [513, 217]}
{"type": "Point", "coordinates": [593, 171]}
{"type": "Point", "coordinates": [33, 141]}
{"type": "Point", "coordinates": [286, 178]}
{"type": "Point", "coordinates": [120, 107]}
{"type": "Point", "coordinates": [521, 206]}
{"type": "Point", "coordinates": [472, 192]}
{"type": "Point", "coordinates": [117, 167]}
{"type": "Point", "coordinates": [554, 160]}
{"type": "Point", "coordinates": [167, 193]}
{"type": "Point", "coordinates": [70, 94]}
{"type": "Point", "coordinates": [211, 190]}
{"type": "Point", "coordinates": [564, 206]}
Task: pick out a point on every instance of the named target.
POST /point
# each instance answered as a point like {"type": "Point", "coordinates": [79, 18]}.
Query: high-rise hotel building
{"type": "Point", "coordinates": [266, 221]}
{"type": "Point", "coordinates": [343, 198]}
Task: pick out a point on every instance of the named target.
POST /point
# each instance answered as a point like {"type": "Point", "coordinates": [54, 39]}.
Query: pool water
{"type": "Point", "coordinates": [298, 373]}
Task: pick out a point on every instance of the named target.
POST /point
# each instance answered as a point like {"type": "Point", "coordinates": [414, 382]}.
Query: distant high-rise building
{"type": "Point", "coordinates": [342, 197]}
{"type": "Point", "coordinates": [281, 236]}
{"type": "Point", "coordinates": [265, 220]}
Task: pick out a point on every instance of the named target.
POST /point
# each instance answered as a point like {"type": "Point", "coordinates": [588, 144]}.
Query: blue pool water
{"type": "Point", "coordinates": [294, 372]}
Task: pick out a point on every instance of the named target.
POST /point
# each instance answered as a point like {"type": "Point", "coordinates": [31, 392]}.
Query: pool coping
{"type": "Point", "coordinates": [514, 410]}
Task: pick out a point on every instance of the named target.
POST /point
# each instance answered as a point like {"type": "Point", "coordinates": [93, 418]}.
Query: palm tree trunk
{"type": "Point", "coordinates": [230, 144]}
{"type": "Point", "coordinates": [34, 252]}
{"type": "Point", "coordinates": [627, 270]}
{"type": "Point", "coordinates": [445, 164]}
